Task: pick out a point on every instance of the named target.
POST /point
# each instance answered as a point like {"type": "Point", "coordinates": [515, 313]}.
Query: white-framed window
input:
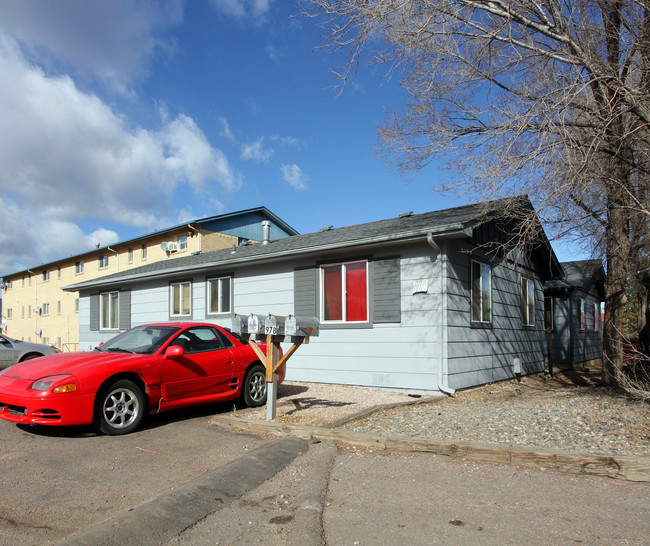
{"type": "Point", "coordinates": [76, 305]}
{"type": "Point", "coordinates": [596, 317]}
{"type": "Point", "coordinates": [58, 272]}
{"type": "Point", "coordinates": [58, 307]}
{"type": "Point", "coordinates": [46, 309]}
{"type": "Point", "coordinates": [144, 252]}
{"type": "Point", "coordinates": [549, 313]}
{"type": "Point", "coordinates": [180, 296]}
{"type": "Point", "coordinates": [481, 292]}
{"type": "Point", "coordinates": [10, 313]}
{"type": "Point", "coordinates": [219, 295]}
{"type": "Point", "coordinates": [528, 301]}
{"type": "Point", "coordinates": [581, 314]}
{"type": "Point", "coordinates": [10, 284]}
{"type": "Point", "coordinates": [103, 261]}
{"type": "Point", "coordinates": [344, 292]}
{"type": "Point", "coordinates": [46, 275]}
{"type": "Point", "coordinates": [109, 311]}
{"type": "Point", "coordinates": [46, 340]}
{"type": "Point", "coordinates": [182, 242]}
{"type": "Point", "coordinates": [130, 255]}
{"type": "Point", "coordinates": [78, 268]}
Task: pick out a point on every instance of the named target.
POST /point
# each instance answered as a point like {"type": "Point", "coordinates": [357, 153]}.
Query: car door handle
{"type": "Point", "coordinates": [229, 362]}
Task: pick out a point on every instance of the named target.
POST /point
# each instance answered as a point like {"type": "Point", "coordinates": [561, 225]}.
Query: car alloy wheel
{"type": "Point", "coordinates": [255, 386]}
{"type": "Point", "coordinates": [122, 407]}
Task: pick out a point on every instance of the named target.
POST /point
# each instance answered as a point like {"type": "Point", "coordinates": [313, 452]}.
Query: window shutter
{"type": "Point", "coordinates": [125, 310]}
{"type": "Point", "coordinates": [94, 312]}
{"type": "Point", "coordinates": [387, 302]}
{"type": "Point", "coordinates": [304, 290]}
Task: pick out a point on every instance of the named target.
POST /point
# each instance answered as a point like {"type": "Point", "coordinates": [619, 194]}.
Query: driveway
{"type": "Point", "coordinates": [59, 481]}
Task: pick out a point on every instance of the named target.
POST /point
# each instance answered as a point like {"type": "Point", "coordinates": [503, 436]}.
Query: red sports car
{"type": "Point", "coordinates": [151, 368]}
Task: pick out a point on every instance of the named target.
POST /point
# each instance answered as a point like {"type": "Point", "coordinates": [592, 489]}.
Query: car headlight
{"type": "Point", "coordinates": [67, 384]}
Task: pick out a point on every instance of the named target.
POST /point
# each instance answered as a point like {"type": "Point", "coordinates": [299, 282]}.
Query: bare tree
{"type": "Point", "coordinates": [543, 97]}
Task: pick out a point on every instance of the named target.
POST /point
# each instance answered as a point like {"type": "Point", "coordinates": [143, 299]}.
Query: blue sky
{"type": "Point", "coordinates": [118, 118]}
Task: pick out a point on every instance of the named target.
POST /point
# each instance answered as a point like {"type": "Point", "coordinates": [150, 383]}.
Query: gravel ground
{"type": "Point", "coordinates": [528, 414]}
{"type": "Point", "coordinates": [569, 412]}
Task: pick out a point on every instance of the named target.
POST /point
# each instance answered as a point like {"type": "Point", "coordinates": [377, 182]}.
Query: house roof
{"type": "Point", "coordinates": [586, 275]}
{"type": "Point", "coordinates": [259, 211]}
{"type": "Point", "coordinates": [456, 222]}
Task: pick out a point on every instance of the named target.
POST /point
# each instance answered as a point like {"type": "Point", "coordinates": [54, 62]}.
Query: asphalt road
{"type": "Point", "coordinates": [182, 480]}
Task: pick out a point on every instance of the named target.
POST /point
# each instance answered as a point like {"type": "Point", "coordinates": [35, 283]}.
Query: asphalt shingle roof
{"type": "Point", "coordinates": [449, 221]}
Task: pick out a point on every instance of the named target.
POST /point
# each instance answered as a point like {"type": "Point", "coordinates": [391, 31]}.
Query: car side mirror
{"type": "Point", "coordinates": [174, 350]}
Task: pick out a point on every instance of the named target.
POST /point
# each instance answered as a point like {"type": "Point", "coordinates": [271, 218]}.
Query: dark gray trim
{"type": "Point", "coordinates": [94, 312]}
{"type": "Point", "coordinates": [305, 291]}
{"type": "Point", "coordinates": [386, 289]}
{"type": "Point", "coordinates": [124, 302]}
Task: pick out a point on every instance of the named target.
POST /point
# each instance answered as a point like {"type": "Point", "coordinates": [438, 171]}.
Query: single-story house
{"type": "Point", "coordinates": [573, 314]}
{"type": "Point", "coordinates": [415, 302]}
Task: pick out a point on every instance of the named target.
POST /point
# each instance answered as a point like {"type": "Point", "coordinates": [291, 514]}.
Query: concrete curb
{"type": "Point", "coordinates": [630, 468]}
{"type": "Point", "coordinates": [167, 516]}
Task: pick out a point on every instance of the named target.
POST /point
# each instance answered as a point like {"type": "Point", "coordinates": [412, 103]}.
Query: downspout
{"type": "Point", "coordinates": [444, 361]}
{"type": "Point", "coordinates": [198, 236]}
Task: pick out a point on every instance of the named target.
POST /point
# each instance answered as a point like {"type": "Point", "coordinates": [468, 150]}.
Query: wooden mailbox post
{"type": "Point", "coordinates": [274, 330]}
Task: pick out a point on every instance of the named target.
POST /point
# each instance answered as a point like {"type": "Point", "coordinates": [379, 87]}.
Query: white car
{"type": "Point", "coordinates": [14, 350]}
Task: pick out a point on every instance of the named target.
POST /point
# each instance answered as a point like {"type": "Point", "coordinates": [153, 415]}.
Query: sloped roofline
{"type": "Point", "coordinates": [451, 223]}
{"type": "Point", "coordinates": [262, 210]}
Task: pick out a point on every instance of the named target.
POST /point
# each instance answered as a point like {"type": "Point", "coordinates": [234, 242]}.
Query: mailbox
{"type": "Point", "coordinates": [301, 326]}
{"type": "Point", "coordinates": [275, 325]}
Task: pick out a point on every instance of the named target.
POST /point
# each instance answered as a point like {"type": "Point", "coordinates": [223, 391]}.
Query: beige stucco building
{"type": "Point", "coordinates": [35, 308]}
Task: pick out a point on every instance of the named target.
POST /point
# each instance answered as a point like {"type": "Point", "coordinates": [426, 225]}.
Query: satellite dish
{"type": "Point", "coordinates": [163, 245]}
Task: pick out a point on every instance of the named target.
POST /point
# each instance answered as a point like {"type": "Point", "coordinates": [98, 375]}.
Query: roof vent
{"type": "Point", "coordinates": [266, 232]}
{"type": "Point", "coordinates": [406, 214]}
{"type": "Point", "coordinates": [327, 228]}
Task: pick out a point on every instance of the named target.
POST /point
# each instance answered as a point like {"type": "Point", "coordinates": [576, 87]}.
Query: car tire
{"type": "Point", "coordinates": [120, 407]}
{"type": "Point", "coordinates": [254, 388]}
{"type": "Point", "coordinates": [30, 357]}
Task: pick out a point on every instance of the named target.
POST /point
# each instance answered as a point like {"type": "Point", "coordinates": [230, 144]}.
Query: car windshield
{"type": "Point", "coordinates": [141, 340]}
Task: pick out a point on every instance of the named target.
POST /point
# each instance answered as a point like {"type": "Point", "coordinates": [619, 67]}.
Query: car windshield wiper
{"type": "Point", "coordinates": [117, 350]}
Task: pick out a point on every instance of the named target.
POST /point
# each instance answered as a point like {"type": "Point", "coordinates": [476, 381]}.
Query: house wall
{"type": "Point", "coordinates": [572, 344]}
{"type": "Point", "coordinates": [404, 354]}
{"type": "Point", "coordinates": [478, 355]}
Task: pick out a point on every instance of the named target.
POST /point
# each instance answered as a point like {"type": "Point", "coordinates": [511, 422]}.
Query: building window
{"type": "Point", "coordinates": [581, 313]}
{"type": "Point", "coordinates": [103, 261]}
{"type": "Point", "coordinates": [10, 284]}
{"type": "Point", "coordinates": [46, 275]}
{"type": "Point", "coordinates": [144, 252]}
{"type": "Point", "coordinates": [10, 313]}
{"type": "Point", "coordinates": [46, 340]}
{"type": "Point", "coordinates": [22, 314]}
{"type": "Point", "coordinates": [130, 255]}
{"type": "Point", "coordinates": [182, 242]}
{"type": "Point", "coordinates": [58, 272]}
{"type": "Point", "coordinates": [76, 305]}
{"type": "Point", "coordinates": [481, 292]}
{"type": "Point", "coordinates": [596, 317]}
{"type": "Point", "coordinates": [528, 301]}
{"type": "Point", "coordinates": [78, 268]}
{"type": "Point", "coordinates": [58, 307]}
{"type": "Point", "coordinates": [46, 309]}
{"type": "Point", "coordinates": [108, 311]}
{"type": "Point", "coordinates": [549, 314]}
{"type": "Point", "coordinates": [180, 296]}
{"type": "Point", "coordinates": [219, 291]}
{"type": "Point", "coordinates": [344, 289]}
{"type": "Point", "coordinates": [29, 311]}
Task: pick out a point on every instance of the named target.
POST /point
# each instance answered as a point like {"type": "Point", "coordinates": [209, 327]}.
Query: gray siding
{"type": "Point", "coordinates": [478, 355]}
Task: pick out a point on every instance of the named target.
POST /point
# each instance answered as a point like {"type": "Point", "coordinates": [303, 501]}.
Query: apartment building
{"type": "Point", "coordinates": [35, 308]}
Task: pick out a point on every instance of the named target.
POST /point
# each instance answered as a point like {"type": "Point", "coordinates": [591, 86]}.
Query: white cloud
{"type": "Point", "coordinates": [293, 175]}
{"type": "Point", "coordinates": [67, 156]}
{"type": "Point", "coordinates": [111, 41]}
{"type": "Point", "coordinates": [225, 131]}
{"type": "Point", "coordinates": [256, 151]}
{"type": "Point", "coordinates": [257, 9]}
